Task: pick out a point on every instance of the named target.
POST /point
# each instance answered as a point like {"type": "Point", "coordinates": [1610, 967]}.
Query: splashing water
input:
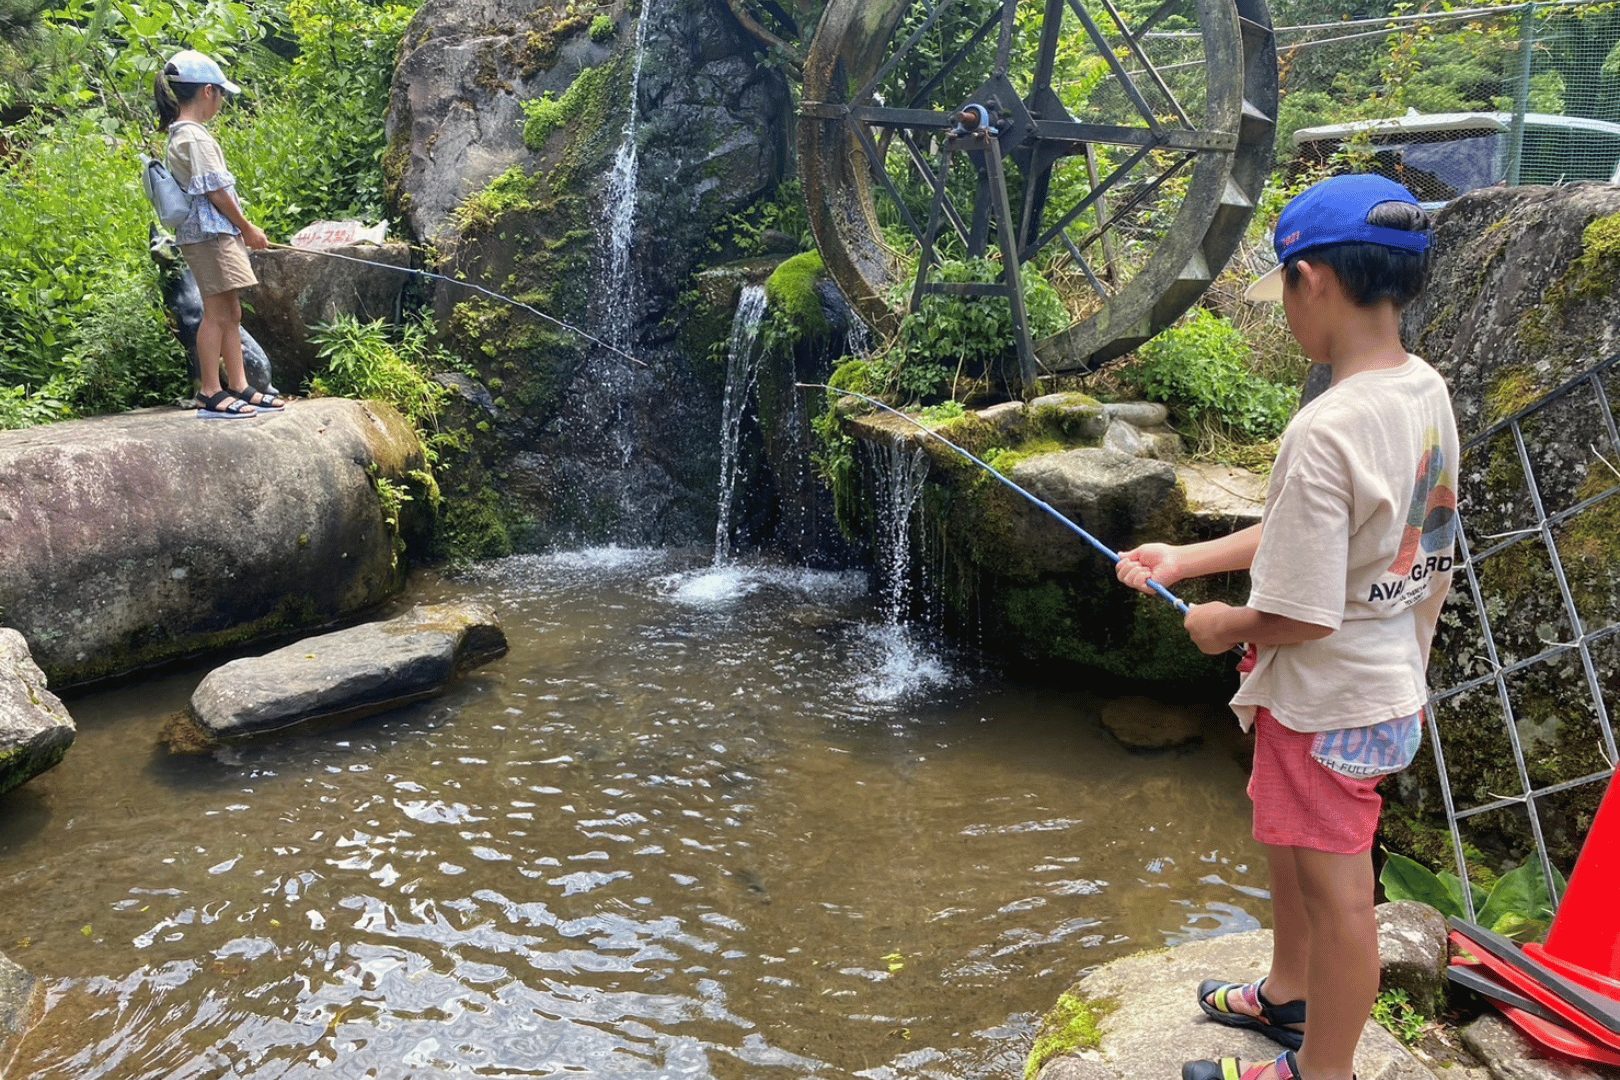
{"type": "Point", "coordinates": [623, 188]}
{"type": "Point", "coordinates": [898, 471]}
{"type": "Point", "coordinates": [742, 371]}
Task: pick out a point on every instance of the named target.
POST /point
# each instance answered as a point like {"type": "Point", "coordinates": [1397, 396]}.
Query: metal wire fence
{"type": "Point", "coordinates": [1528, 664]}
{"type": "Point", "coordinates": [1446, 101]}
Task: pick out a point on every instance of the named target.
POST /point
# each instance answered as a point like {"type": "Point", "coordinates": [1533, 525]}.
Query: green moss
{"type": "Point", "coordinates": [549, 112]}
{"type": "Point", "coordinates": [473, 527]}
{"type": "Point", "coordinates": [511, 191]}
{"type": "Point", "coordinates": [1512, 390]}
{"type": "Point", "coordinates": [1074, 1023]}
{"type": "Point", "coordinates": [603, 28]}
{"type": "Point", "coordinates": [790, 294]}
{"type": "Point", "coordinates": [1591, 276]}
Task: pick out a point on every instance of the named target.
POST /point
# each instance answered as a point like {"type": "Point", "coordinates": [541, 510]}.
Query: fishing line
{"type": "Point", "coordinates": [1103, 549]}
{"type": "Point", "coordinates": [568, 326]}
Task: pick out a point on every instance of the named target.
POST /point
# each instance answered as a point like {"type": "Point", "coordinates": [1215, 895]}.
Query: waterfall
{"type": "Point", "coordinates": [742, 371]}
{"type": "Point", "coordinates": [623, 187]}
{"type": "Point", "coordinates": [898, 471]}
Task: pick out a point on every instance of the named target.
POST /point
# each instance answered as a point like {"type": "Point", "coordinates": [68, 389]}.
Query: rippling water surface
{"type": "Point", "coordinates": [697, 823]}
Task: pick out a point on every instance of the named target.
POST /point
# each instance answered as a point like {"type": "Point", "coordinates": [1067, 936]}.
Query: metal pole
{"type": "Point", "coordinates": [1521, 92]}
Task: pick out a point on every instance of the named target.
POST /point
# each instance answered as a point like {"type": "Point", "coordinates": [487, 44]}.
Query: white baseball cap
{"type": "Point", "coordinates": [191, 66]}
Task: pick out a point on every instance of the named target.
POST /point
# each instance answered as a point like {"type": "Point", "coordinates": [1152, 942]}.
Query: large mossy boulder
{"type": "Point", "coordinates": [35, 728]}
{"type": "Point", "coordinates": [507, 123]}
{"type": "Point", "coordinates": [299, 290]}
{"type": "Point", "coordinates": [126, 541]}
{"type": "Point", "coordinates": [1523, 298]}
{"type": "Point", "coordinates": [1015, 578]}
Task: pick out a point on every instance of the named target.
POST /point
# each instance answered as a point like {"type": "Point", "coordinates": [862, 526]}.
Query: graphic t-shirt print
{"type": "Point", "coordinates": [1431, 528]}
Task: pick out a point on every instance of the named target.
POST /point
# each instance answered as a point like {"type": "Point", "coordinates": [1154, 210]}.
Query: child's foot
{"type": "Point", "coordinates": [221, 404]}
{"type": "Point", "coordinates": [258, 399]}
{"type": "Point", "coordinates": [1286, 1067]}
{"type": "Point", "coordinates": [1245, 1005]}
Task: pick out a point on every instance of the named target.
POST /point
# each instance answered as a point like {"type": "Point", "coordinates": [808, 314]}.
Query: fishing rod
{"type": "Point", "coordinates": [1102, 549]}
{"type": "Point", "coordinates": [491, 293]}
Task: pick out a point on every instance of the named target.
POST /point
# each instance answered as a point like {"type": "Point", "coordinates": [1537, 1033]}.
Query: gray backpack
{"type": "Point", "coordinates": [164, 192]}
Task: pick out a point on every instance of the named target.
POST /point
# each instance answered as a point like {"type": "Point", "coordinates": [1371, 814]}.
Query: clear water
{"type": "Point", "coordinates": [742, 371]}
{"type": "Point", "coordinates": [708, 822]}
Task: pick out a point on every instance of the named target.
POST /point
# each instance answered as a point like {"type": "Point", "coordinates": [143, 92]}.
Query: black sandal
{"type": "Point", "coordinates": [1232, 1069]}
{"type": "Point", "coordinates": [223, 405]}
{"type": "Point", "coordinates": [260, 399]}
{"type": "Point", "coordinates": [1273, 1021]}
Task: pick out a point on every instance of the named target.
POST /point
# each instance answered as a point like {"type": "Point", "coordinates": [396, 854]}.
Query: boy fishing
{"type": "Point", "coordinates": [1349, 568]}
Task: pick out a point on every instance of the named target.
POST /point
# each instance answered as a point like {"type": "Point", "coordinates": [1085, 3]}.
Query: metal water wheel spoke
{"type": "Point", "coordinates": [1126, 166]}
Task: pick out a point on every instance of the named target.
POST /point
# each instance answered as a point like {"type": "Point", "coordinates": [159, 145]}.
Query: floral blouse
{"type": "Point", "coordinates": [198, 166]}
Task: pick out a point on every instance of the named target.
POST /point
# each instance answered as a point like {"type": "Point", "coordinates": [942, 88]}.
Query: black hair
{"type": "Point", "coordinates": [171, 94]}
{"type": "Point", "coordinates": [1373, 272]}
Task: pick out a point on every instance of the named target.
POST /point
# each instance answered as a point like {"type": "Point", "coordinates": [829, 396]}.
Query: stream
{"type": "Point", "coordinates": [699, 822]}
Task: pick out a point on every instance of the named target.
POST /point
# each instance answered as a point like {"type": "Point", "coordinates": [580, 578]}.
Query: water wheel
{"type": "Point", "coordinates": [1122, 159]}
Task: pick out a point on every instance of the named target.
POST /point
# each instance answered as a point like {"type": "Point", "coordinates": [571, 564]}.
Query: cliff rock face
{"type": "Point", "coordinates": [658, 125]}
{"type": "Point", "coordinates": [129, 540]}
{"type": "Point", "coordinates": [1522, 299]}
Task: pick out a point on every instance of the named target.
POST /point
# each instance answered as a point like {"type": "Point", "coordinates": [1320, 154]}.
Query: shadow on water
{"type": "Point", "coordinates": [698, 822]}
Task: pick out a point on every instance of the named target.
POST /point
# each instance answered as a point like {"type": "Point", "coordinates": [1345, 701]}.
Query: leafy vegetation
{"type": "Point", "coordinates": [82, 327]}
{"type": "Point", "coordinates": [1395, 1014]}
{"type": "Point", "coordinates": [1519, 905]}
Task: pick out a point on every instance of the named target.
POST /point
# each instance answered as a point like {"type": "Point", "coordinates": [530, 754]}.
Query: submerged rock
{"type": "Point", "coordinates": [348, 673]}
{"type": "Point", "coordinates": [1141, 723]}
{"type": "Point", "coordinates": [20, 1001]}
{"type": "Point", "coordinates": [129, 540]}
{"type": "Point", "coordinates": [298, 290]}
{"type": "Point", "coordinates": [1138, 1016]}
{"type": "Point", "coordinates": [35, 728]}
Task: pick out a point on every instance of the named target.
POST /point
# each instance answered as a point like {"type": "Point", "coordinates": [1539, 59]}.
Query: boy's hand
{"type": "Point", "coordinates": [1209, 626]}
{"type": "Point", "coordinates": [254, 237]}
{"type": "Point", "coordinates": [1160, 562]}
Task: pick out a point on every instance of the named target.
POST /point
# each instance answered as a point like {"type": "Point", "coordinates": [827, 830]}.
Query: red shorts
{"type": "Point", "coordinates": [1299, 802]}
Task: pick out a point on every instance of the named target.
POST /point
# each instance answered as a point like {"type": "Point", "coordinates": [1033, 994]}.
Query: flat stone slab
{"type": "Point", "coordinates": [348, 673]}
{"type": "Point", "coordinates": [1510, 1056]}
{"type": "Point", "coordinates": [1230, 496]}
{"type": "Point", "coordinates": [1150, 1022]}
{"type": "Point", "coordinates": [35, 728]}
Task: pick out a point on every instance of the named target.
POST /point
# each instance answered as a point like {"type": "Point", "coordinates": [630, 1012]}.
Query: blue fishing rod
{"type": "Point", "coordinates": [1101, 548]}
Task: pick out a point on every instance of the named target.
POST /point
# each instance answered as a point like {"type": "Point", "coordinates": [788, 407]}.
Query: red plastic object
{"type": "Point", "coordinates": [1559, 1038]}
{"type": "Point", "coordinates": [1584, 944]}
{"type": "Point", "coordinates": [1537, 992]}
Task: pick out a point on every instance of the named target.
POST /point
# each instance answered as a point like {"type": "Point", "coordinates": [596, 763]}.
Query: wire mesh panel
{"type": "Point", "coordinates": [1527, 666]}
{"type": "Point", "coordinates": [1447, 101]}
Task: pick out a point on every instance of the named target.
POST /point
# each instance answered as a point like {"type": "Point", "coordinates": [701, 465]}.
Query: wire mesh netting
{"type": "Point", "coordinates": [1449, 101]}
{"type": "Point", "coordinates": [1526, 672]}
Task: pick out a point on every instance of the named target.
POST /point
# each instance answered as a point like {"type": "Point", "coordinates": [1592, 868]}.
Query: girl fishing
{"type": "Point", "coordinates": [215, 237]}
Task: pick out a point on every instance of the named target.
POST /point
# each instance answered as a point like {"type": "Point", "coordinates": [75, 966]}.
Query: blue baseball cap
{"type": "Point", "coordinates": [1335, 211]}
{"type": "Point", "coordinates": [191, 66]}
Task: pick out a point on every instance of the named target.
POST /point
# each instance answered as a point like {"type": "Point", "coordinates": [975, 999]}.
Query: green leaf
{"type": "Point", "coordinates": [1405, 879]}
{"type": "Point", "coordinates": [1516, 926]}
{"type": "Point", "coordinates": [1454, 887]}
{"type": "Point", "coordinates": [1522, 891]}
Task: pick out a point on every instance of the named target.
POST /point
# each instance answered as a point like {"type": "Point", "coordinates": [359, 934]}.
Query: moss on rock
{"type": "Point", "coordinates": [1073, 1023]}
{"type": "Point", "coordinates": [790, 294]}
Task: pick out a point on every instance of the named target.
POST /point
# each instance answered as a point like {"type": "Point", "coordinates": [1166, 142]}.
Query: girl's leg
{"type": "Point", "coordinates": [231, 346]}
{"type": "Point", "coordinates": [1343, 973]}
{"type": "Point", "coordinates": [211, 337]}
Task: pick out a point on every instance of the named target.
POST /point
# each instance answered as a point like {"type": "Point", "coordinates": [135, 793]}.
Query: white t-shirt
{"type": "Point", "coordinates": [1358, 527]}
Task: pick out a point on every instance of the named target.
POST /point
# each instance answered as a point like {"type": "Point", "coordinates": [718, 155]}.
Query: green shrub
{"type": "Point", "coordinates": [363, 360]}
{"type": "Point", "coordinates": [1200, 368]}
{"type": "Point", "coordinates": [1394, 1012]}
{"type": "Point", "coordinates": [603, 28]}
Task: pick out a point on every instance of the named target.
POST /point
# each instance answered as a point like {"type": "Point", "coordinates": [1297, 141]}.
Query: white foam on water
{"type": "Point", "coordinates": [717, 586]}
{"type": "Point", "coordinates": [722, 586]}
{"type": "Point", "coordinates": [896, 665]}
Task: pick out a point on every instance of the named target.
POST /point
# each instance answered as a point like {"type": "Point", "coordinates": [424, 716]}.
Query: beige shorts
{"type": "Point", "coordinates": [220, 264]}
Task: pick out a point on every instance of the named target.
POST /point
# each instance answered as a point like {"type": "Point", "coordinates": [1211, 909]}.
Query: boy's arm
{"type": "Point", "coordinates": [1170, 563]}
{"type": "Point", "coordinates": [1217, 628]}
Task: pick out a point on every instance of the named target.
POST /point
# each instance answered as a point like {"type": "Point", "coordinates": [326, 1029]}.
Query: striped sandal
{"type": "Point", "coordinates": [1286, 1066]}
{"type": "Point", "coordinates": [1215, 998]}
